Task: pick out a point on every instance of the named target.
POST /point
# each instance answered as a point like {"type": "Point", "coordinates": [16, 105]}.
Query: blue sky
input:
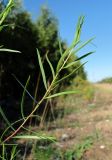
{"type": "Point", "coordinates": [98, 24]}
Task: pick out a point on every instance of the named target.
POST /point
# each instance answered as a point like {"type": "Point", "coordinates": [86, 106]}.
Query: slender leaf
{"type": "Point", "coordinates": [67, 52]}
{"type": "Point", "coordinates": [24, 88]}
{"type": "Point", "coordinates": [78, 29]}
{"type": "Point", "coordinates": [63, 93]}
{"type": "Point", "coordinates": [78, 59]}
{"type": "Point", "coordinates": [34, 137]}
{"type": "Point", "coordinates": [51, 67]}
{"type": "Point", "coordinates": [5, 118]}
{"type": "Point", "coordinates": [13, 152]}
{"type": "Point", "coordinates": [6, 11]}
{"type": "Point", "coordinates": [23, 97]}
{"type": "Point", "coordinates": [71, 73]}
{"type": "Point", "coordinates": [70, 64]}
{"type": "Point", "coordinates": [42, 69]}
{"type": "Point", "coordinates": [82, 46]}
{"type": "Point", "coordinates": [3, 151]}
{"type": "Point", "coordinates": [84, 56]}
{"type": "Point", "coordinates": [9, 50]}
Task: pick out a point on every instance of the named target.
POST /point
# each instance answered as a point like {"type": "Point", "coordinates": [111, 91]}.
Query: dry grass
{"type": "Point", "coordinates": [91, 119]}
{"type": "Point", "coordinates": [86, 119]}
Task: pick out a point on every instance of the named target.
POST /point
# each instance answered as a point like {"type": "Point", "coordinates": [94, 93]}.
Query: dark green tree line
{"type": "Point", "coordinates": [24, 35]}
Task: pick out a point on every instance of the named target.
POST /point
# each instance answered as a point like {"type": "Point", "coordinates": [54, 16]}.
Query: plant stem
{"type": "Point", "coordinates": [36, 107]}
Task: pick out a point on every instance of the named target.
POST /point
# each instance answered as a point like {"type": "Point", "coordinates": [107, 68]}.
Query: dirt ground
{"type": "Point", "coordinates": [88, 119]}
{"type": "Point", "coordinates": [86, 127]}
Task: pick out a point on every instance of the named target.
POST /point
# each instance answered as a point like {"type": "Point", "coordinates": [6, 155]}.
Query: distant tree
{"type": "Point", "coordinates": [106, 80]}
{"type": "Point", "coordinates": [47, 31]}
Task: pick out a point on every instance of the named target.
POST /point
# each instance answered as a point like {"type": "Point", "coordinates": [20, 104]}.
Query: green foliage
{"type": "Point", "coordinates": [36, 137]}
{"type": "Point", "coordinates": [76, 153]}
{"type": "Point", "coordinates": [42, 70]}
{"type": "Point", "coordinates": [87, 89]}
{"type": "Point", "coordinates": [51, 67]}
{"type": "Point", "coordinates": [13, 152]}
{"type": "Point", "coordinates": [82, 147]}
{"type": "Point", "coordinates": [44, 154]}
{"type": "Point", "coordinates": [63, 93]}
{"type": "Point", "coordinates": [47, 31]}
{"type": "Point", "coordinates": [5, 13]}
{"type": "Point", "coordinates": [23, 97]}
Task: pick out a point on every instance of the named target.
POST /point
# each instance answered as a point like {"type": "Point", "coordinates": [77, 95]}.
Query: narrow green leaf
{"type": "Point", "coordinates": [3, 151]}
{"type": "Point", "coordinates": [5, 118]}
{"type": "Point", "coordinates": [63, 93]}
{"type": "Point", "coordinates": [6, 11]}
{"type": "Point", "coordinates": [71, 73]}
{"type": "Point", "coordinates": [78, 29]}
{"type": "Point", "coordinates": [78, 49]}
{"type": "Point", "coordinates": [51, 67]}
{"type": "Point", "coordinates": [78, 59]}
{"type": "Point", "coordinates": [9, 4]}
{"type": "Point", "coordinates": [84, 56]}
{"type": "Point", "coordinates": [42, 69]}
{"type": "Point", "coordinates": [65, 54]}
{"type": "Point", "coordinates": [13, 152]}
{"type": "Point", "coordinates": [23, 97]}
{"type": "Point", "coordinates": [34, 137]}
{"type": "Point", "coordinates": [27, 137]}
{"type": "Point", "coordinates": [70, 64]}
{"type": "Point", "coordinates": [9, 50]}
{"type": "Point", "coordinates": [62, 58]}
{"type": "Point", "coordinates": [25, 89]}
{"type": "Point", "coordinates": [82, 46]}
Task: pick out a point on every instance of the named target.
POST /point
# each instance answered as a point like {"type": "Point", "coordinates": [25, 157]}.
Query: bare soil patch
{"type": "Point", "coordinates": [92, 119]}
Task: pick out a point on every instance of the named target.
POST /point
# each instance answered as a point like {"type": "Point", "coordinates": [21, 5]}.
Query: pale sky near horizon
{"type": "Point", "coordinates": [98, 24]}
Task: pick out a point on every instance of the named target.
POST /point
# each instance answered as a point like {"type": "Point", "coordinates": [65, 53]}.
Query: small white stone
{"type": "Point", "coordinates": [64, 137]}
{"type": "Point", "coordinates": [102, 147]}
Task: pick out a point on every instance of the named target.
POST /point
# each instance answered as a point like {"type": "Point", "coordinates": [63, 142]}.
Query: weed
{"type": "Point", "coordinates": [63, 63]}
{"type": "Point", "coordinates": [81, 148]}
{"type": "Point", "coordinates": [43, 153]}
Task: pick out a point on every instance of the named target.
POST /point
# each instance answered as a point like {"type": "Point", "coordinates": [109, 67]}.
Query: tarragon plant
{"type": "Point", "coordinates": [62, 64]}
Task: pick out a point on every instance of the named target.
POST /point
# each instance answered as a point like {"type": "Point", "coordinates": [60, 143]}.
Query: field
{"type": "Point", "coordinates": [85, 132]}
